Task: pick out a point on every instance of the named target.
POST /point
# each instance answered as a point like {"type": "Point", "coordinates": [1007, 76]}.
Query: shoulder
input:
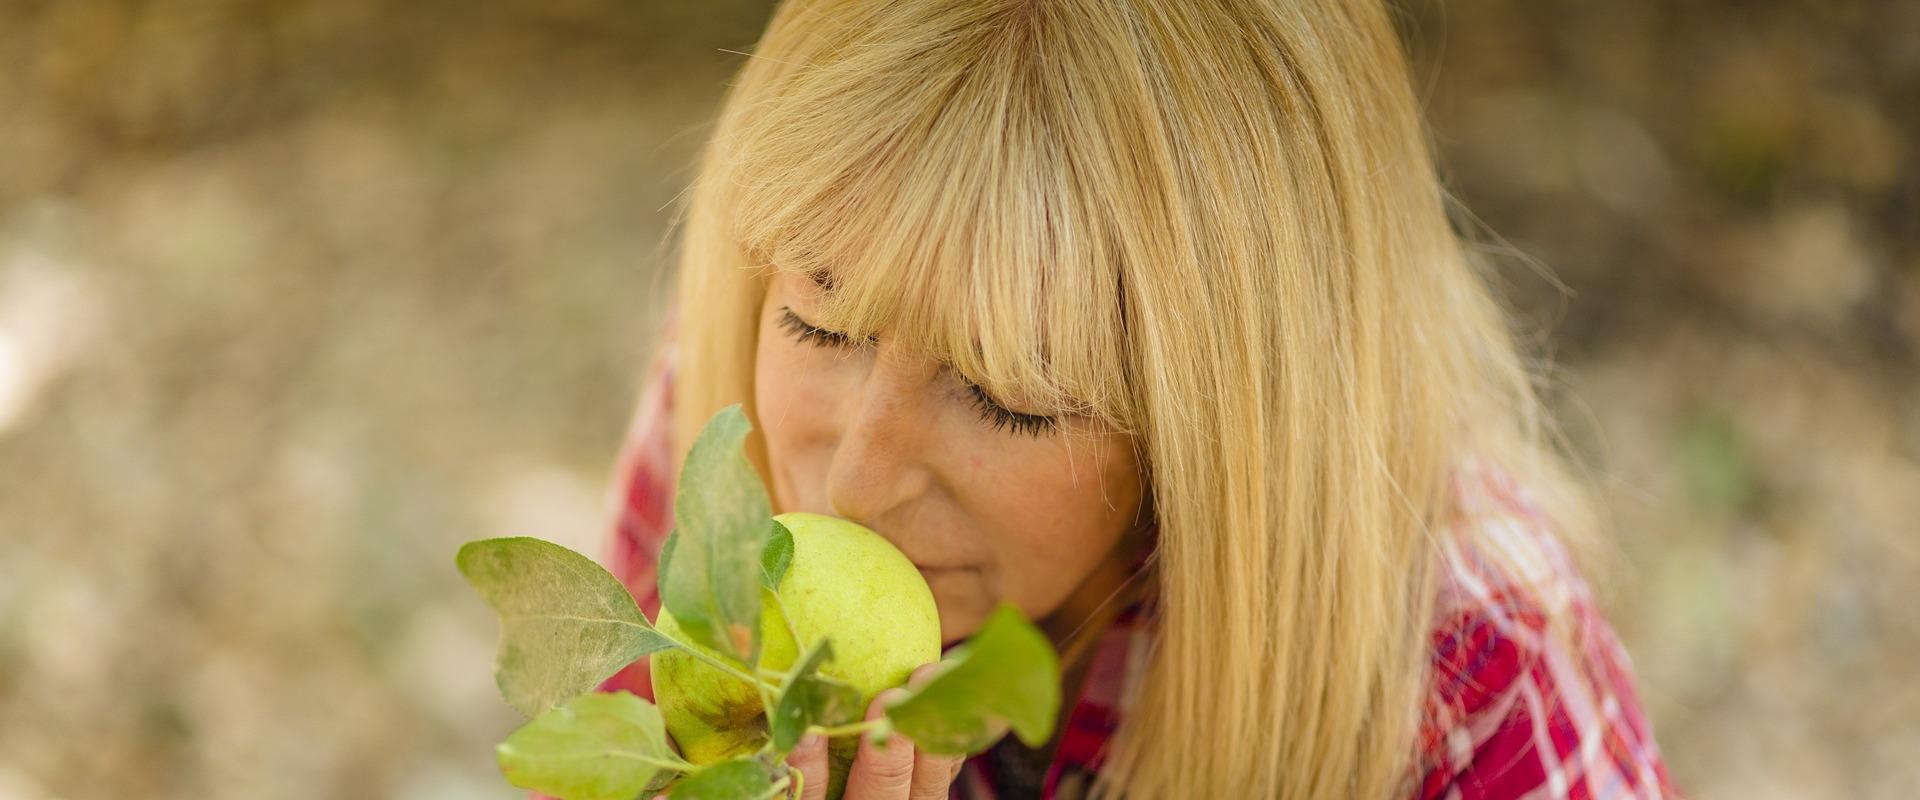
{"type": "Point", "coordinates": [1531, 694]}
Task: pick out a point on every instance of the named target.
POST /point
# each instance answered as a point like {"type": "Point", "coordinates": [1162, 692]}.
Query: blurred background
{"type": "Point", "coordinates": [295, 297]}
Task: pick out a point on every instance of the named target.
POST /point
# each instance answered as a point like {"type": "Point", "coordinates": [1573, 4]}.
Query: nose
{"type": "Point", "coordinates": [878, 465]}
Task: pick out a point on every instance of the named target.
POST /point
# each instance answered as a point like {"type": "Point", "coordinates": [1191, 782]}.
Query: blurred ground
{"type": "Point", "coordinates": [295, 297]}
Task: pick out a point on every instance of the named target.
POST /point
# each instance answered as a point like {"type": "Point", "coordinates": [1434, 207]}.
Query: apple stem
{"type": "Point", "coordinates": [723, 666]}
{"type": "Point", "coordinates": [779, 787]}
{"type": "Point", "coordinates": [766, 698]}
{"type": "Point", "coordinates": [851, 729]}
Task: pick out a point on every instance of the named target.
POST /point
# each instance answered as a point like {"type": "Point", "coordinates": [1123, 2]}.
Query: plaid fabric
{"type": "Point", "coordinates": [1511, 713]}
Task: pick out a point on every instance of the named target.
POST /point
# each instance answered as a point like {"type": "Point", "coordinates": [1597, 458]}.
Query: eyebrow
{"type": "Point", "coordinates": [824, 280]}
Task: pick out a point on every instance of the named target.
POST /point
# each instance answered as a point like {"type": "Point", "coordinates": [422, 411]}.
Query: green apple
{"type": "Point", "coordinates": [846, 583]}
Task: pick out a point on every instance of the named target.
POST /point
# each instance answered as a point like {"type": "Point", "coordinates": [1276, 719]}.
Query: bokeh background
{"type": "Point", "coordinates": [297, 296]}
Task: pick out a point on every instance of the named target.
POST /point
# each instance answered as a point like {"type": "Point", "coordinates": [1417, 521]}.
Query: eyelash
{"type": "Point", "coordinates": [992, 413]}
{"type": "Point", "coordinates": [999, 418]}
{"type": "Point", "coordinates": [818, 337]}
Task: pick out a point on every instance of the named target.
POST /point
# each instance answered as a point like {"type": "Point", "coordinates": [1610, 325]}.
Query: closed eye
{"type": "Point", "coordinates": [818, 337]}
{"type": "Point", "coordinates": [1000, 417]}
{"type": "Point", "coordinates": [995, 415]}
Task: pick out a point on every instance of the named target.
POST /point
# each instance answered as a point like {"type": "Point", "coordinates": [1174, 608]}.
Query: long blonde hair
{"type": "Point", "coordinates": [1215, 224]}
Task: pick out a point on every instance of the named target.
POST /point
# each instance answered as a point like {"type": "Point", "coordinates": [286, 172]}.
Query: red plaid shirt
{"type": "Point", "coordinates": [1510, 713]}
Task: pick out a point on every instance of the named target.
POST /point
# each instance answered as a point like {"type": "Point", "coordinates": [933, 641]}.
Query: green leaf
{"type": "Point", "coordinates": [662, 781]}
{"type": "Point", "coordinates": [664, 563]}
{"type": "Point", "coordinates": [1006, 674]}
{"type": "Point", "coordinates": [565, 623]}
{"type": "Point", "coordinates": [810, 698]}
{"type": "Point", "coordinates": [598, 746]}
{"type": "Point", "coordinates": [712, 583]}
{"type": "Point", "coordinates": [742, 778]}
{"type": "Point", "coordinates": [776, 556]}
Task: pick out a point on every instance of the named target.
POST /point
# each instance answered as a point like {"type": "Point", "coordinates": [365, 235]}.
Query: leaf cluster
{"type": "Point", "coordinates": [566, 625]}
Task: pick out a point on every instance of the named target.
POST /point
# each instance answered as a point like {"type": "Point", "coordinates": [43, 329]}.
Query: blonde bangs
{"type": "Point", "coordinates": [925, 178]}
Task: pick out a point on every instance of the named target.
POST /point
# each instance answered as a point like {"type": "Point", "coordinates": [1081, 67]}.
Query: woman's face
{"type": "Point", "coordinates": [990, 506]}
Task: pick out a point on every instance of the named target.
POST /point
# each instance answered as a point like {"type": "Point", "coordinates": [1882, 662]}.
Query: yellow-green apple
{"type": "Point", "coordinates": [845, 583]}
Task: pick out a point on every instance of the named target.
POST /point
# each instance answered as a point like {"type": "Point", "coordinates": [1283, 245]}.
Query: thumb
{"type": "Point", "coordinates": [882, 771]}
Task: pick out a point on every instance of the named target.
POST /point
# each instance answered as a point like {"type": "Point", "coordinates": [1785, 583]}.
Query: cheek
{"type": "Point", "coordinates": [773, 389]}
{"type": "Point", "coordinates": [793, 393]}
{"type": "Point", "coordinates": [1053, 530]}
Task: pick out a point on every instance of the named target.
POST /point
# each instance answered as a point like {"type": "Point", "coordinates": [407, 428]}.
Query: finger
{"type": "Point", "coordinates": [932, 775]}
{"type": "Point", "coordinates": [882, 772]}
{"type": "Point", "coordinates": [922, 674]}
{"type": "Point", "coordinates": [810, 757]}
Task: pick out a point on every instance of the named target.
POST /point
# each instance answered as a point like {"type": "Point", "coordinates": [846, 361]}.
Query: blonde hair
{"type": "Point", "coordinates": [1214, 224]}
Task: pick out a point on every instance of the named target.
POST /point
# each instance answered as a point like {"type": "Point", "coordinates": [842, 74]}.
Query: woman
{"type": "Point", "coordinates": [1147, 317]}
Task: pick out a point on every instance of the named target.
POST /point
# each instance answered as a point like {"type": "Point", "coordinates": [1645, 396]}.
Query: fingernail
{"type": "Point", "coordinates": [810, 740]}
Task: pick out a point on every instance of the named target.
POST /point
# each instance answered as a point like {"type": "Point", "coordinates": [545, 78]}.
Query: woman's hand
{"type": "Point", "coordinates": [896, 771]}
